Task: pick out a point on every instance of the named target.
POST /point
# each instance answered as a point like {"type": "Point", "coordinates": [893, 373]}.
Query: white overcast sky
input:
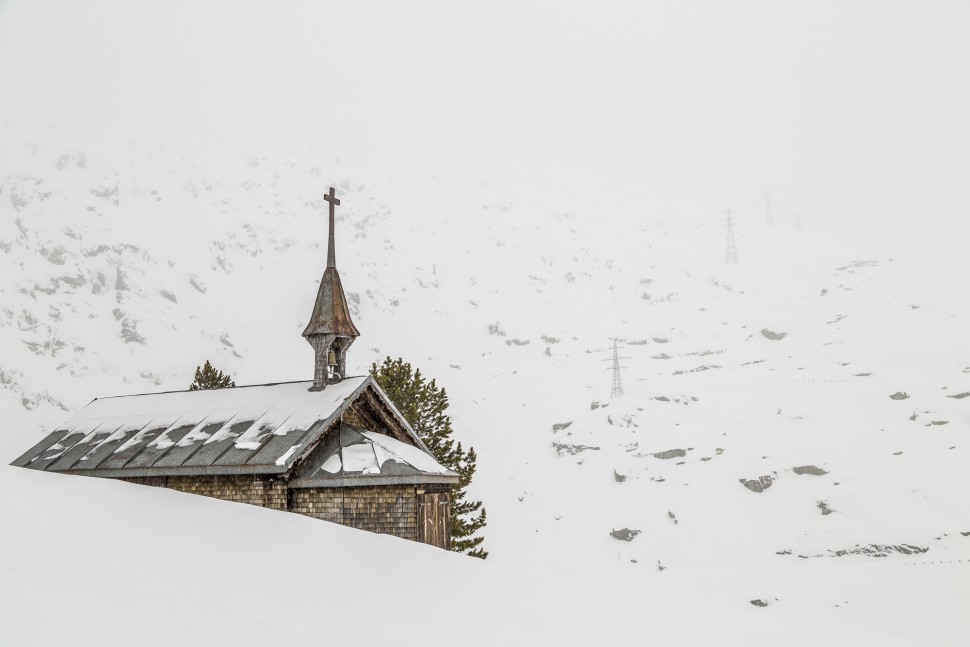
{"type": "Point", "coordinates": [850, 111]}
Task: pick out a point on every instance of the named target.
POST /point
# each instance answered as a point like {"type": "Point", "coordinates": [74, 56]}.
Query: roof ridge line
{"type": "Point", "coordinates": [244, 386]}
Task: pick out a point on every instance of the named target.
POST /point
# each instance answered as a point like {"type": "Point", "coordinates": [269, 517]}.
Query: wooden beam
{"type": "Point", "coordinates": [390, 421]}
{"type": "Point", "coordinates": [368, 419]}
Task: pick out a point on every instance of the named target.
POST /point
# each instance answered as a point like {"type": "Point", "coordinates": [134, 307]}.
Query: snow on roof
{"type": "Point", "coordinates": [366, 457]}
{"type": "Point", "coordinates": [242, 430]}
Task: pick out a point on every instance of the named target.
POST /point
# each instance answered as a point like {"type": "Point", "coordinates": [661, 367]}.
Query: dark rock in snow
{"type": "Point", "coordinates": [559, 426]}
{"type": "Point", "coordinates": [959, 396]}
{"type": "Point", "coordinates": [121, 282]}
{"type": "Point", "coordinates": [854, 264]}
{"type": "Point", "coordinates": [495, 329]}
{"type": "Point", "coordinates": [759, 603]}
{"type": "Point", "coordinates": [619, 478]}
{"type": "Point", "coordinates": [129, 332]}
{"type": "Point", "coordinates": [809, 469]}
{"type": "Point", "coordinates": [703, 367]}
{"type": "Point", "coordinates": [197, 284]}
{"type": "Point", "coordinates": [899, 395]}
{"type": "Point", "coordinates": [75, 281]}
{"type": "Point", "coordinates": [759, 484]}
{"type": "Point", "coordinates": [625, 534]}
{"type": "Point", "coordinates": [773, 336]}
{"type": "Point", "coordinates": [55, 255]}
{"type": "Point", "coordinates": [565, 448]}
{"type": "Point", "coordinates": [879, 550]}
{"type": "Point", "coordinates": [670, 453]}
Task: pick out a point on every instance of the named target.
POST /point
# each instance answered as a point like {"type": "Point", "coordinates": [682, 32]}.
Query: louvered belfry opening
{"type": "Point", "coordinates": [331, 332]}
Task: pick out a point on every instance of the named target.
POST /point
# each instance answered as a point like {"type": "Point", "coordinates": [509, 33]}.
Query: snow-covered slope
{"type": "Point", "coordinates": [755, 455]}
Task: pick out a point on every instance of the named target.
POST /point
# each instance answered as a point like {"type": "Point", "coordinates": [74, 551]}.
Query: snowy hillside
{"type": "Point", "coordinates": [793, 428]}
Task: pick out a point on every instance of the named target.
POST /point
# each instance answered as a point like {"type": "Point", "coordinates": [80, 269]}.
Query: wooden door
{"type": "Point", "coordinates": [434, 519]}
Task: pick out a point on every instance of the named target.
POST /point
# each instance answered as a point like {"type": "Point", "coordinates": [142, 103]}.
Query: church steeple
{"type": "Point", "coordinates": [330, 331]}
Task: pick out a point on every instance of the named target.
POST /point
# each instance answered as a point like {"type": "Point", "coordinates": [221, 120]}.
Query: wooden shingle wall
{"type": "Point", "coordinates": [259, 491]}
{"type": "Point", "coordinates": [353, 418]}
{"type": "Point", "coordinates": [405, 511]}
{"type": "Point", "coordinates": [390, 509]}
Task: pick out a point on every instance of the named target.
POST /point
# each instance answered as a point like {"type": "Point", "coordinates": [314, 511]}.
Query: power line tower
{"type": "Point", "coordinates": [731, 255]}
{"type": "Point", "coordinates": [617, 389]}
{"type": "Point", "coordinates": [769, 216]}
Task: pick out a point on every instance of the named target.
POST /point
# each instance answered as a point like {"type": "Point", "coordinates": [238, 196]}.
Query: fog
{"type": "Point", "coordinates": [853, 114]}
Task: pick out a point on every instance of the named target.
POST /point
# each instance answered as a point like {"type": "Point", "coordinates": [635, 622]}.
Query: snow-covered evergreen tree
{"type": "Point", "coordinates": [207, 377]}
{"type": "Point", "coordinates": [424, 406]}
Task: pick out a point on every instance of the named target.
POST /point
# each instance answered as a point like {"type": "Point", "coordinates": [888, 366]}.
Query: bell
{"type": "Point", "coordinates": [331, 360]}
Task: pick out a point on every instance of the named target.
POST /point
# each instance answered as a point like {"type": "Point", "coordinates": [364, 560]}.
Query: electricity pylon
{"type": "Point", "coordinates": [731, 254]}
{"type": "Point", "coordinates": [617, 389]}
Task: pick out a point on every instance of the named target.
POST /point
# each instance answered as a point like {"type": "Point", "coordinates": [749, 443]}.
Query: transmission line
{"type": "Point", "coordinates": [769, 216]}
{"type": "Point", "coordinates": [617, 389]}
{"type": "Point", "coordinates": [731, 253]}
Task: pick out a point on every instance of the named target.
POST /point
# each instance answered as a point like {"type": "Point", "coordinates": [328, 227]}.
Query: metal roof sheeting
{"type": "Point", "coordinates": [357, 457]}
{"type": "Point", "coordinates": [254, 429]}
{"type": "Point", "coordinates": [330, 312]}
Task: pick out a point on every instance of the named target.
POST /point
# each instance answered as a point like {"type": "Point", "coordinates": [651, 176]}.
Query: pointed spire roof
{"type": "Point", "coordinates": [331, 316]}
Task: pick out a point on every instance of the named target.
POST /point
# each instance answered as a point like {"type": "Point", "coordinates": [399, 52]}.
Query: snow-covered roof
{"type": "Point", "coordinates": [262, 429]}
{"type": "Point", "coordinates": [359, 457]}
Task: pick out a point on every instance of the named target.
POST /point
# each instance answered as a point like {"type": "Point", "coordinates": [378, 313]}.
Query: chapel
{"type": "Point", "coordinates": [334, 448]}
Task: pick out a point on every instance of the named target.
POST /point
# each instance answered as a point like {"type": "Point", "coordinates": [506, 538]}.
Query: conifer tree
{"type": "Point", "coordinates": [423, 405]}
{"type": "Point", "coordinates": [206, 377]}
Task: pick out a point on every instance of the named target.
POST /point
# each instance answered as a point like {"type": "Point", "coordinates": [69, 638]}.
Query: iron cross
{"type": "Point", "coordinates": [334, 201]}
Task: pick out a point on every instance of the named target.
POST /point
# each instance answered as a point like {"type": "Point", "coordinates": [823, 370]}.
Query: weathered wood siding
{"type": "Point", "coordinates": [266, 493]}
{"type": "Point", "coordinates": [418, 513]}
{"type": "Point", "coordinates": [434, 517]}
{"type": "Point", "coordinates": [390, 509]}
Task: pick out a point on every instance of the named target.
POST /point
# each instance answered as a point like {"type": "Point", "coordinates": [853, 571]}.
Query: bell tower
{"type": "Point", "coordinates": [330, 331]}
